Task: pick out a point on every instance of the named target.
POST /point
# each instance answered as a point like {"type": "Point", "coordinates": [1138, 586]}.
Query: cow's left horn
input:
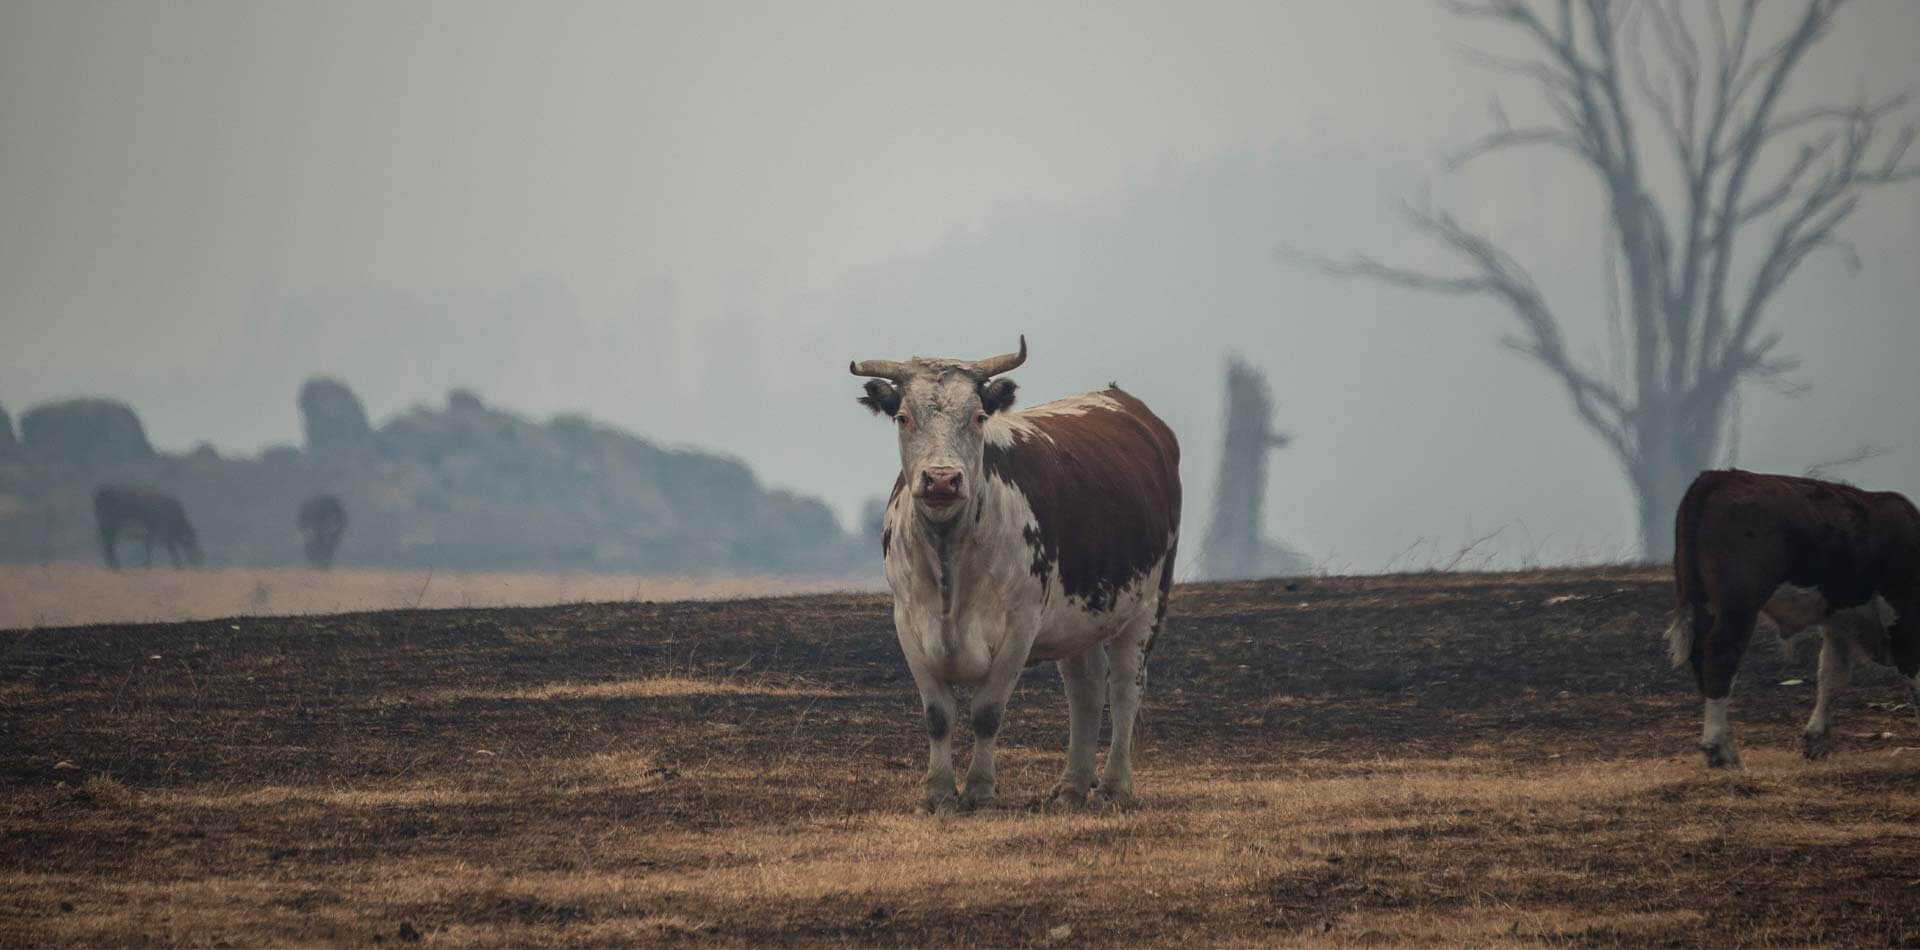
{"type": "Point", "coordinates": [880, 369]}
{"type": "Point", "coordinates": [1005, 362]}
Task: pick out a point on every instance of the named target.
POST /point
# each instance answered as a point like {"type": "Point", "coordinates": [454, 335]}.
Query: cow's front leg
{"type": "Point", "coordinates": [989, 710]}
{"type": "Point", "coordinates": [1836, 660]}
{"type": "Point", "coordinates": [938, 704]}
{"type": "Point", "coordinates": [1126, 681]}
{"type": "Point", "coordinates": [1084, 678]}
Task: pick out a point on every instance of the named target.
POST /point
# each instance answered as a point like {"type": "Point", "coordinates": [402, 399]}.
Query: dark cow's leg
{"type": "Point", "coordinates": [146, 550]}
{"type": "Point", "coordinates": [1903, 636]}
{"type": "Point", "coordinates": [1084, 678]}
{"type": "Point", "coordinates": [107, 541]}
{"type": "Point", "coordinates": [1716, 658]}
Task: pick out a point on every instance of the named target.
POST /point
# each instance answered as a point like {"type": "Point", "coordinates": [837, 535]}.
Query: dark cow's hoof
{"type": "Point", "coordinates": [1111, 799]}
{"type": "Point", "coordinates": [1065, 797]}
{"type": "Point", "coordinates": [1722, 756]}
{"type": "Point", "coordinates": [940, 801]}
{"type": "Point", "coordinates": [979, 795]}
{"type": "Point", "coordinates": [1815, 747]}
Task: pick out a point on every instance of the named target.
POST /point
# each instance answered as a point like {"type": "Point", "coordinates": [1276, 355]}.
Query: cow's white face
{"type": "Point", "coordinates": [941, 415]}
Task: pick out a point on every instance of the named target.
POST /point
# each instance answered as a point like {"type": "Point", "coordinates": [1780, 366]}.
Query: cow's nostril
{"type": "Point", "coordinates": [941, 480]}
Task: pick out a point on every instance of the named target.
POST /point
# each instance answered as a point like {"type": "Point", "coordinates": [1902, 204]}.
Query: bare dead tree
{"type": "Point", "coordinates": [1637, 89]}
{"type": "Point", "coordinates": [1826, 468]}
{"type": "Point", "coordinates": [1234, 546]}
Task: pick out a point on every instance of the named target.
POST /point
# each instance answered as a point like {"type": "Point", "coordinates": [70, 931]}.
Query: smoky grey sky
{"type": "Point", "coordinates": [686, 218]}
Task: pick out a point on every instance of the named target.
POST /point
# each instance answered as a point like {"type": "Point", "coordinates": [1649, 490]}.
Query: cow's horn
{"type": "Point", "coordinates": [880, 369]}
{"type": "Point", "coordinates": [1005, 362]}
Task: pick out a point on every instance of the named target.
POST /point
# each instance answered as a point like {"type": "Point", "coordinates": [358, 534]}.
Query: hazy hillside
{"type": "Point", "coordinates": [465, 486]}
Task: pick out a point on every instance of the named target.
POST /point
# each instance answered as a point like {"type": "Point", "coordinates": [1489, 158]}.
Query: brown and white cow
{"type": "Point", "coordinates": [1797, 552]}
{"type": "Point", "coordinates": [1013, 537]}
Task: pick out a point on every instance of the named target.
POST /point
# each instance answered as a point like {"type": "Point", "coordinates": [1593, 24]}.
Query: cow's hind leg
{"type": "Point", "coordinates": [1126, 682]}
{"type": "Point", "coordinates": [1903, 640]}
{"type": "Point", "coordinates": [1085, 679]}
{"type": "Point", "coordinates": [1836, 663]}
{"type": "Point", "coordinates": [1716, 658]}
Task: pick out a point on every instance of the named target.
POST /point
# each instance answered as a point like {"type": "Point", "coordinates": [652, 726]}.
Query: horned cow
{"type": "Point", "coordinates": [1796, 552]}
{"type": "Point", "coordinates": [1016, 537]}
{"type": "Point", "coordinates": [158, 516]}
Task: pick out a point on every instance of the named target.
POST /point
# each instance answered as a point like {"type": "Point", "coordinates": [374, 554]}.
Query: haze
{"type": "Point", "coordinates": [684, 219]}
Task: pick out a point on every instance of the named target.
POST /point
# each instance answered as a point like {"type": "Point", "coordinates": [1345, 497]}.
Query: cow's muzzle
{"type": "Point", "coordinates": [940, 488]}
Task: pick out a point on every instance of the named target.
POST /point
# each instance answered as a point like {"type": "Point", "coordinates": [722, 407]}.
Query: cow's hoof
{"type": "Point", "coordinates": [941, 801]}
{"type": "Point", "coordinates": [1814, 746]}
{"type": "Point", "coordinates": [1108, 798]}
{"type": "Point", "coordinates": [1067, 797]}
{"type": "Point", "coordinates": [979, 795]}
{"type": "Point", "coordinates": [1722, 756]}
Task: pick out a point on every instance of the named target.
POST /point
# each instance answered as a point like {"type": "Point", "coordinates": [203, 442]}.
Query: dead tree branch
{"type": "Point", "coordinates": [1707, 86]}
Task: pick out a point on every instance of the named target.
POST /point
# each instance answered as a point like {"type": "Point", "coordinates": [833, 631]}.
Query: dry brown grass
{"type": "Point", "coordinates": [1403, 761]}
{"type": "Point", "coordinates": [63, 595]}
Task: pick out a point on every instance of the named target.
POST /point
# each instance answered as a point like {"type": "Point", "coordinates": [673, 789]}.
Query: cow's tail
{"type": "Point", "coordinates": [1166, 590]}
{"type": "Point", "coordinates": [1686, 568]}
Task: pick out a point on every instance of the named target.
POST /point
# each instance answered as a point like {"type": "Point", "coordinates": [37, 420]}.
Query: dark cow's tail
{"type": "Point", "coordinates": [1686, 566]}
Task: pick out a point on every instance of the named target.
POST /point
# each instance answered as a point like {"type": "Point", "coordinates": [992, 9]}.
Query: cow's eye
{"type": "Point", "coordinates": [980, 418]}
{"type": "Point", "coordinates": [900, 417]}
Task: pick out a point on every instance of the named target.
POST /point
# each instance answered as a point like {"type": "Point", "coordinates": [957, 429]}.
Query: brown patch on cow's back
{"type": "Point", "coordinates": [1104, 485]}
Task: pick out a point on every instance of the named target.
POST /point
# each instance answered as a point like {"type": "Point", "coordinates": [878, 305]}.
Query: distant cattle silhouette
{"type": "Point", "coordinates": [158, 516]}
{"type": "Point", "coordinates": [322, 521]}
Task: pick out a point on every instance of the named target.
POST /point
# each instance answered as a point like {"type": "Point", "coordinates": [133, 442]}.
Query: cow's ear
{"type": "Point", "coordinates": [882, 397]}
{"type": "Point", "coordinates": [997, 395]}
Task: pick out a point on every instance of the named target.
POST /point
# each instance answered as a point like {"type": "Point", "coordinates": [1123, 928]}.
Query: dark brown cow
{"type": "Point", "coordinates": [1015, 537]}
{"type": "Point", "coordinates": [1797, 552]}
{"type": "Point", "coordinates": [322, 520]}
{"type": "Point", "coordinates": [158, 516]}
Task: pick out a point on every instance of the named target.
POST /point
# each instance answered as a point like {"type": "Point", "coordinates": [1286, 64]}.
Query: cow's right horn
{"type": "Point", "coordinates": [880, 369]}
{"type": "Point", "coordinates": [1005, 362]}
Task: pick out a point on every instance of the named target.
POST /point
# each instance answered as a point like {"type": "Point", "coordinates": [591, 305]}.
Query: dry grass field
{"type": "Point", "coordinates": [1439, 759]}
{"type": "Point", "coordinates": [63, 595]}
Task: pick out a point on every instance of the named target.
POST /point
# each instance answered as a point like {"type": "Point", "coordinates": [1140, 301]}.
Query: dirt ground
{"type": "Point", "coordinates": [65, 595]}
{"type": "Point", "coordinates": [1442, 759]}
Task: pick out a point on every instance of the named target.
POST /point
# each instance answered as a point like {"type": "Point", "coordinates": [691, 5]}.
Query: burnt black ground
{"type": "Point", "coordinates": [1295, 677]}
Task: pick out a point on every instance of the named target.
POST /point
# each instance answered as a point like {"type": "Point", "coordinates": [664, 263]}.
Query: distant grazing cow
{"type": "Point", "coordinates": [322, 521]}
{"type": "Point", "coordinates": [1017, 537]}
{"type": "Point", "coordinates": [1801, 553]}
{"type": "Point", "coordinates": [157, 515]}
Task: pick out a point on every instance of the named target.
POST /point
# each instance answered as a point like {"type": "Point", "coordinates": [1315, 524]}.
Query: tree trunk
{"type": "Point", "coordinates": [1233, 548]}
{"type": "Point", "coordinates": [1658, 499]}
{"type": "Point", "coordinates": [1669, 460]}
